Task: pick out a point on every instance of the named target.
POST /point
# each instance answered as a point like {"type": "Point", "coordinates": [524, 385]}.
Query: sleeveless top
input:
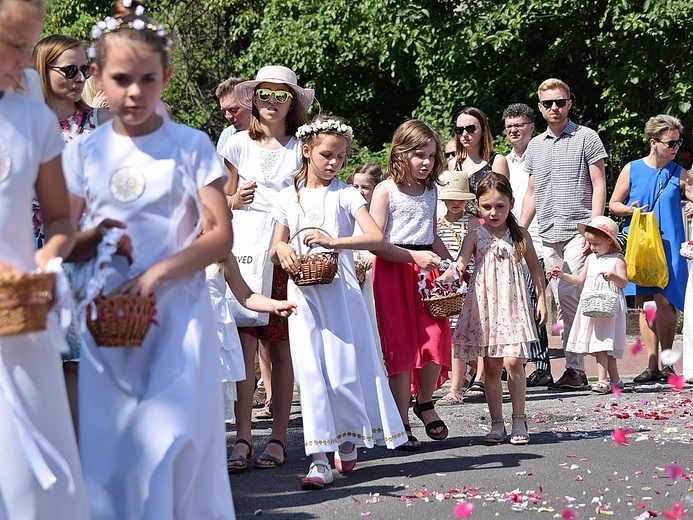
{"type": "Point", "coordinates": [410, 217]}
{"type": "Point", "coordinates": [475, 177]}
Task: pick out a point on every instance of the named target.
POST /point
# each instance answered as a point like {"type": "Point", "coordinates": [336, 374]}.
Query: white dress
{"type": "Point", "coordinates": [343, 390]}
{"type": "Point", "coordinates": [590, 335]}
{"type": "Point", "coordinates": [231, 355]}
{"type": "Point", "coordinates": [31, 376]}
{"type": "Point", "coordinates": [152, 436]}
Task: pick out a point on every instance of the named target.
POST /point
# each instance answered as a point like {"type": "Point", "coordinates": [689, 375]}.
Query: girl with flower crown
{"type": "Point", "coordinates": [260, 162]}
{"type": "Point", "coordinates": [345, 399]}
{"type": "Point", "coordinates": [151, 418]}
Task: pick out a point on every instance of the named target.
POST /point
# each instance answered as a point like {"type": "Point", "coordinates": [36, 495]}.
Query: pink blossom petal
{"type": "Point", "coordinates": [616, 391]}
{"type": "Point", "coordinates": [463, 510]}
{"type": "Point", "coordinates": [620, 435]}
{"type": "Point", "coordinates": [557, 328]}
{"type": "Point", "coordinates": [674, 471]}
{"type": "Point", "coordinates": [677, 382]}
{"type": "Point", "coordinates": [650, 314]}
{"type": "Point", "coordinates": [637, 346]}
{"type": "Point", "coordinates": [567, 514]}
{"type": "Point", "coordinates": [676, 512]}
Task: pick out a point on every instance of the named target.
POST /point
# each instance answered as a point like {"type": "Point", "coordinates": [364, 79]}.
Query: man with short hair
{"type": "Point", "coordinates": [238, 116]}
{"type": "Point", "coordinates": [518, 120]}
{"type": "Point", "coordinates": [567, 186]}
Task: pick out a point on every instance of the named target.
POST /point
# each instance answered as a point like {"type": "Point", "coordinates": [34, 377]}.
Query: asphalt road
{"type": "Point", "coordinates": [571, 466]}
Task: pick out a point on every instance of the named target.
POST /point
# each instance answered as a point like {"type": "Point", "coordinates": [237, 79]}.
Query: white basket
{"type": "Point", "coordinates": [601, 301]}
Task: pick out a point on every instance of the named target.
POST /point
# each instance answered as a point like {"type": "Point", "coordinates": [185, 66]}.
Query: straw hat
{"type": "Point", "coordinates": [454, 186]}
{"type": "Point", "coordinates": [603, 224]}
{"type": "Point", "coordinates": [273, 74]}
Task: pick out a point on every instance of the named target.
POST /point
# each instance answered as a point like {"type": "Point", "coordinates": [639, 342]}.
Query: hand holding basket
{"type": "Point", "coordinates": [315, 268]}
{"type": "Point", "coordinates": [601, 301]}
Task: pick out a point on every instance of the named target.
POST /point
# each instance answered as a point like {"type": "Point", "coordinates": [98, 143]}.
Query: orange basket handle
{"type": "Point", "coordinates": [325, 232]}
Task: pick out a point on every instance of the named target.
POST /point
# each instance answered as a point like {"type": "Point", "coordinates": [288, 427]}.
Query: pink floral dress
{"type": "Point", "coordinates": [496, 319]}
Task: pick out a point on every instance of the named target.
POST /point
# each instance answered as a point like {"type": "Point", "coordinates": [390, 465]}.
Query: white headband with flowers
{"type": "Point", "coordinates": [322, 126]}
{"type": "Point", "coordinates": [110, 24]}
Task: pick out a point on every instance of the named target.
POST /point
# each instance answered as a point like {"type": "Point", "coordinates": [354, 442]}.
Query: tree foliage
{"type": "Point", "coordinates": [379, 62]}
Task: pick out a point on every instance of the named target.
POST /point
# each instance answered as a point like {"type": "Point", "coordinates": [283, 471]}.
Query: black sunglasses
{"type": "Point", "coordinates": [548, 103]}
{"type": "Point", "coordinates": [459, 130]}
{"type": "Point", "coordinates": [70, 71]}
{"type": "Point", "coordinates": [671, 144]}
{"type": "Point", "coordinates": [449, 155]}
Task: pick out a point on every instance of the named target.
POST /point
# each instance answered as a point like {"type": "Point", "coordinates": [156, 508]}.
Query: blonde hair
{"type": "Point", "coordinates": [553, 84]}
{"type": "Point", "coordinates": [413, 135]}
{"type": "Point", "coordinates": [657, 125]}
{"type": "Point", "coordinates": [46, 52]}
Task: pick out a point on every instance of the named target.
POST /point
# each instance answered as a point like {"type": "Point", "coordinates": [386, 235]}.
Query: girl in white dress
{"type": "Point", "coordinates": [605, 338]}
{"type": "Point", "coordinates": [345, 399]}
{"type": "Point", "coordinates": [40, 475]}
{"type": "Point", "coordinates": [152, 437]}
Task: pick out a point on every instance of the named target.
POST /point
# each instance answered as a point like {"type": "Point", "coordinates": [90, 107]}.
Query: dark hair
{"type": "Point", "coordinates": [296, 117]}
{"type": "Point", "coordinates": [153, 34]}
{"type": "Point", "coordinates": [313, 139]}
{"type": "Point", "coordinates": [498, 182]}
{"type": "Point", "coordinates": [225, 88]}
{"type": "Point", "coordinates": [519, 110]}
{"type": "Point", "coordinates": [413, 135]}
{"type": "Point", "coordinates": [46, 52]}
{"type": "Point", "coordinates": [372, 170]}
{"type": "Point", "coordinates": [486, 137]}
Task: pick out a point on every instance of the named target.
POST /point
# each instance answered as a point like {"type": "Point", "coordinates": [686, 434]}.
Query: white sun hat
{"type": "Point", "coordinates": [273, 74]}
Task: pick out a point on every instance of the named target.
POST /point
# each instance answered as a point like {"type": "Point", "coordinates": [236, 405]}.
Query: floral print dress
{"type": "Point", "coordinates": [496, 318]}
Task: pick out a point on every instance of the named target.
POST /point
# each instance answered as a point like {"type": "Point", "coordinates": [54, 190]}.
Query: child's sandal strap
{"type": "Point", "coordinates": [519, 416]}
{"type": "Point", "coordinates": [497, 421]}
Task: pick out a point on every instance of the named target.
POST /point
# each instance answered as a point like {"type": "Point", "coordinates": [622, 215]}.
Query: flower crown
{"type": "Point", "coordinates": [111, 24]}
{"type": "Point", "coordinates": [321, 126]}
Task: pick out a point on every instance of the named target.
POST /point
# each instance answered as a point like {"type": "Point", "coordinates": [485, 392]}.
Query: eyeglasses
{"type": "Point", "coordinates": [450, 155]}
{"type": "Point", "coordinates": [548, 103]}
{"type": "Point", "coordinates": [517, 126]}
{"type": "Point", "coordinates": [671, 144]}
{"type": "Point", "coordinates": [70, 71]}
{"type": "Point", "coordinates": [470, 129]}
{"type": "Point", "coordinates": [280, 96]}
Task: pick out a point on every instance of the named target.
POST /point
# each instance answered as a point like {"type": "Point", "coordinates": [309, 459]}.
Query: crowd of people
{"type": "Point", "coordinates": [222, 237]}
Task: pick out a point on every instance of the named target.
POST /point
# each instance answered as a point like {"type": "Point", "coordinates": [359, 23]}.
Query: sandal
{"type": "Point", "coordinates": [601, 387]}
{"type": "Point", "coordinates": [476, 391]}
{"type": "Point", "coordinates": [518, 436]}
{"type": "Point", "coordinates": [345, 462]}
{"type": "Point", "coordinates": [317, 478]}
{"type": "Point", "coordinates": [667, 370]}
{"type": "Point", "coordinates": [496, 436]}
{"type": "Point", "coordinates": [266, 412]}
{"type": "Point", "coordinates": [648, 376]}
{"type": "Point", "coordinates": [418, 409]}
{"type": "Point", "coordinates": [413, 442]}
{"type": "Point", "coordinates": [276, 462]}
{"type": "Point", "coordinates": [451, 398]}
{"type": "Point", "coordinates": [235, 468]}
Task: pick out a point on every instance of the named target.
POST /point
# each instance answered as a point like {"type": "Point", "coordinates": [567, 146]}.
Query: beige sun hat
{"type": "Point", "coordinates": [273, 74]}
{"type": "Point", "coordinates": [454, 186]}
{"type": "Point", "coordinates": [603, 224]}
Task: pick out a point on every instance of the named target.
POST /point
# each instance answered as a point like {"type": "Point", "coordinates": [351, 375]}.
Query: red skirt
{"type": "Point", "coordinates": [410, 337]}
{"type": "Point", "coordinates": [277, 329]}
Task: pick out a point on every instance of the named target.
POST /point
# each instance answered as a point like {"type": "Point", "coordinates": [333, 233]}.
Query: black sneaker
{"type": "Point", "coordinates": [539, 378]}
{"type": "Point", "coordinates": [570, 380]}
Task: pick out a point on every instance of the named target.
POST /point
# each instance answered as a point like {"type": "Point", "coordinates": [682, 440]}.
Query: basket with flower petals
{"type": "Point", "coordinates": [443, 300]}
{"type": "Point", "coordinates": [121, 321]}
{"type": "Point", "coordinates": [315, 268]}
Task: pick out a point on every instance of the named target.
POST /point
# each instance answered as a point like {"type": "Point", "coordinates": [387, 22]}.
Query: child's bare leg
{"type": "Point", "coordinates": [517, 386]}
{"type": "Point", "coordinates": [400, 386]}
{"type": "Point", "coordinates": [494, 388]}
{"type": "Point", "coordinates": [613, 370]}
{"type": "Point", "coordinates": [602, 366]}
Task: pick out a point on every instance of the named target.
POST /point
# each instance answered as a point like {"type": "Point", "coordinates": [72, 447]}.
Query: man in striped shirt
{"type": "Point", "coordinates": [567, 185]}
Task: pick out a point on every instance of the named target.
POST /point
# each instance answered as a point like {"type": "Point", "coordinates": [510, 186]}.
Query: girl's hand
{"type": "Point", "coordinates": [317, 238]}
{"type": "Point", "coordinates": [287, 257]}
{"type": "Point", "coordinates": [426, 259]}
{"type": "Point", "coordinates": [554, 273]}
{"type": "Point", "coordinates": [245, 195]}
{"type": "Point", "coordinates": [607, 274]}
{"type": "Point", "coordinates": [145, 284]}
{"type": "Point", "coordinates": [41, 257]}
{"type": "Point", "coordinates": [368, 263]}
{"type": "Point", "coordinates": [284, 308]}
{"type": "Point", "coordinates": [688, 209]}
{"type": "Point", "coordinates": [541, 312]}
{"type": "Point", "coordinates": [125, 242]}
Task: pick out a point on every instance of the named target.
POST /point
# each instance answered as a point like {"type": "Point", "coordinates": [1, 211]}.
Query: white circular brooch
{"type": "Point", "coordinates": [5, 163]}
{"type": "Point", "coordinates": [127, 184]}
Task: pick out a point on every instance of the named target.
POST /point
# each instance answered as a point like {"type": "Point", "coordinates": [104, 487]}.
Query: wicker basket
{"type": "Point", "coordinates": [315, 268]}
{"type": "Point", "coordinates": [25, 302]}
{"type": "Point", "coordinates": [122, 321]}
{"type": "Point", "coordinates": [361, 271]}
{"type": "Point", "coordinates": [601, 301]}
{"type": "Point", "coordinates": [444, 306]}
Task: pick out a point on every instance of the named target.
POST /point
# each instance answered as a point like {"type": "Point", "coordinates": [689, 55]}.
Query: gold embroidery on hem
{"type": "Point", "coordinates": [323, 442]}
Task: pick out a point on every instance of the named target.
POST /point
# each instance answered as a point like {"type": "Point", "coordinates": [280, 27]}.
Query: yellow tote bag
{"type": "Point", "coordinates": [645, 258]}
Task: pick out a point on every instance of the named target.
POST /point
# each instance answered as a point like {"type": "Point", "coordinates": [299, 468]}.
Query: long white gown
{"type": "Point", "coordinates": [152, 436]}
{"type": "Point", "coordinates": [33, 401]}
{"type": "Point", "coordinates": [343, 390]}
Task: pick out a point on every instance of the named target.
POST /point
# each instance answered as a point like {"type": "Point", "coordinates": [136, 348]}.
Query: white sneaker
{"type": "Point", "coordinates": [319, 475]}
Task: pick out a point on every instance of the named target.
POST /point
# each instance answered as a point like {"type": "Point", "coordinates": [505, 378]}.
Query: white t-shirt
{"type": "Point", "coordinates": [224, 137]}
{"type": "Point", "coordinates": [272, 170]}
{"type": "Point", "coordinates": [29, 137]}
{"type": "Point", "coordinates": [519, 180]}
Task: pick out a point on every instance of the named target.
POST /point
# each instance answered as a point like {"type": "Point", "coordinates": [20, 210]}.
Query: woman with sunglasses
{"type": "Point", "coordinates": [656, 183]}
{"type": "Point", "coordinates": [261, 162]}
{"type": "Point", "coordinates": [474, 147]}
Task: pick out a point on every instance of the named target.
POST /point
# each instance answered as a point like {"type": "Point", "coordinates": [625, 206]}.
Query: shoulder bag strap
{"type": "Point", "coordinates": [661, 188]}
